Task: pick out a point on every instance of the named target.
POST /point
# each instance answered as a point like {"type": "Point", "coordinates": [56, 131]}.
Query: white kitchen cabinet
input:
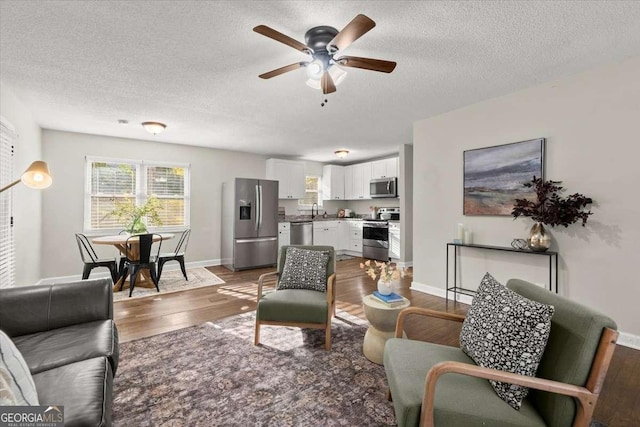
{"type": "Point", "coordinates": [357, 178]}
{"type": "Point", "coordinates": [384, 168]}
{"type": "Point", "coordinates": [291, 177]}
{"type": "Point", "coordinates": [344, 235]}
{"type": "Point", "coordinates": [325, 233]}
{"type": "Point", "coordinates": [284, 235]}
{"type": "Point", "coordinates": [394, 240]}
{"type": "Point", "coordinates": [355, 237]}
{"type": "Point", "coordinates": [333, 182]}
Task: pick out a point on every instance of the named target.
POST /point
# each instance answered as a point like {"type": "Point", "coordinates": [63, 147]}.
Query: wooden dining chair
{"type": "Point", "coordinates": [91, 260]}
{"type": "Point", "coordinates": [144, 259]}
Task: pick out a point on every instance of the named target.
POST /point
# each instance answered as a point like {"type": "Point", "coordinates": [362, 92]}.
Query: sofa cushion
{"type": "Point", "coordinates": [304, 269]}
{"type": "Point", "coordinates": [460, 400]}
{"type": "Point", "coordinates": [57, 347]}
{"type": "Point", "coordinates": [506, 331]}
{"type": "Point", "coordinates": [84, 388]}
{"type": "Point", "coordinates": [289, 305]}
{"type": "Point", "coordinates": [16, 374]}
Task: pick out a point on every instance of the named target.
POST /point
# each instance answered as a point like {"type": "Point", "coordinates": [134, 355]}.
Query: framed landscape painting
{"type": "Point", "coordinates": [494, 176]}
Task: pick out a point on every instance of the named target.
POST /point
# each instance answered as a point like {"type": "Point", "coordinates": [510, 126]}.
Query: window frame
{"type": "Point", "coordinates": [141, 194]}
{"type": "Point", "coordinates": [306, 207]}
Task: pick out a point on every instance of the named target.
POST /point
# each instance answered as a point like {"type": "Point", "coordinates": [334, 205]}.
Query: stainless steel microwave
{"type": "Point", "coordinates": [383, 187]}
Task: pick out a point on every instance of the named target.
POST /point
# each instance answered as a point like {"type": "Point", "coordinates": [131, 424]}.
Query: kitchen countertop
{"type": "Point", "coordinates": [307, 218]}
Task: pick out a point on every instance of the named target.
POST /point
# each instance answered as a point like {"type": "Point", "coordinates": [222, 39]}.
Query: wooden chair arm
{"type": "Point", "coordinates": [261, 282]}
{"type": "Point", "coordinates": [330, 291]}
{"type": "Point", "coordinates": [423, 312]}
{"type": "Point", "coordinates": [584, 397]}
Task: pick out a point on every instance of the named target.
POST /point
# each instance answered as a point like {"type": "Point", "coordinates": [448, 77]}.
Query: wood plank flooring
{"type": "Point", "coordinates": [619, 404]}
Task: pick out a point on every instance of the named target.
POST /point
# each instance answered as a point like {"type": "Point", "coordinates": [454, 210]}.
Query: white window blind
{"type": "Point", "coordinates": [113, 180]}
{"type": "Point", "coordinates": [311, 192]}
{"type": "Point", "coordinates": [7, 245]}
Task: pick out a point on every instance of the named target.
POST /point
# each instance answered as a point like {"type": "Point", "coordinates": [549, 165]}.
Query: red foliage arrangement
{"type": "Point", "coordinates": [549, 207]}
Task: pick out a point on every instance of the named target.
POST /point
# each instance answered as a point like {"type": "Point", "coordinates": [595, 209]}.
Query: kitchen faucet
{"type": "Point", "coordinates": [312, 215]}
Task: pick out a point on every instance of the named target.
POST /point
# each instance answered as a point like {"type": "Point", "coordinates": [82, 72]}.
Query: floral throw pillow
{"type": "Point", "coordinates": [506, 331]}
{"type": "Point", "coordinates": [305, 269]}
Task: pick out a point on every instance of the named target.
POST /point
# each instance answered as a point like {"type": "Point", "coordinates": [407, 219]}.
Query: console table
{"type": "Point", "coordinates": [460, 290]}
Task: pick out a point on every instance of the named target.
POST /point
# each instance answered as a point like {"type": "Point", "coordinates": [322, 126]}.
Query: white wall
{"type": "Point", "coordinates": [63, 202]}
{"type": "Point", "coordinates": [27, 203]}
{"type": "Point", "coordinates": [406, 203]}
{"type": "Point", "coordinates": [591, 122]}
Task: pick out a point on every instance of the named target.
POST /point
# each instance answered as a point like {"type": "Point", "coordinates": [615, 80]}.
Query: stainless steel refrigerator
{"type": "Point", "coordinates": [249, 223]}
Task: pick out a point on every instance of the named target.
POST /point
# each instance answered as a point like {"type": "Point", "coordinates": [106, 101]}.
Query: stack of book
{"type": "Point", "coordinates": [391, 300]}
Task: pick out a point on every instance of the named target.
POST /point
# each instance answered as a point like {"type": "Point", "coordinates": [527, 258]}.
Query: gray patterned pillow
{"type": "Point", "coordinates": [305, 269]}
{"type": "Point", "coordinates": [506, 331]}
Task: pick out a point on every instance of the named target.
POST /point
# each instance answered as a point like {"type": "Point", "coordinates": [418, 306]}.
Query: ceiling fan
{"type": "Point", "coordinates": [323, 44]}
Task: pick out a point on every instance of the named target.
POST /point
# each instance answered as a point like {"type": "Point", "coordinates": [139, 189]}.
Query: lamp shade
{"type": "Point", "coordinates": [341, 153]}
{"type": "Point", "coordinates": [37, 175]}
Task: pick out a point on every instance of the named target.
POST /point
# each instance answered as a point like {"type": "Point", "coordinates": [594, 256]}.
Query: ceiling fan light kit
{"type": "Point", "coordinates": [323, 43]}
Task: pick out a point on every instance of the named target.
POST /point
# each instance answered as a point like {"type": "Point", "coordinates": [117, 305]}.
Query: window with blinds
{"type": "Point", "coordinates": [311, 192]}
{"type": "Point", "coordinates": [7, 246]}
{"type": "Point", "coordinates": [111, 182]}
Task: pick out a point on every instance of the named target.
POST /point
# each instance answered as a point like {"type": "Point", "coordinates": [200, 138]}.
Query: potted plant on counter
{"type": "Point", "coordinates": [549, 208]}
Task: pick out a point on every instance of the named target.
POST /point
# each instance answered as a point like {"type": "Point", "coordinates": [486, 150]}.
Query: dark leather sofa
{"type": "Point", "coordinates": [67, 336]}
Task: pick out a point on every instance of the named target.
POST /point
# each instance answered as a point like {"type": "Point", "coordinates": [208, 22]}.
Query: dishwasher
{"type": "Point", "coordinates": [302, 233]}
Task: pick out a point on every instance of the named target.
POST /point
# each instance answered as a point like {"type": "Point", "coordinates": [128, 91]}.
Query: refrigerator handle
{"type": "Point", "coordinates": [258, 200]}
{"type": "Point", "coordinates": [260, 217]}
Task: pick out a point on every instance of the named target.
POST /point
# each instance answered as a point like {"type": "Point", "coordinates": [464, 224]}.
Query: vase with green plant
{"type": "Point", "coordinates": [550, 208]}
{"type": "Point", "coordinates": [132, 216]}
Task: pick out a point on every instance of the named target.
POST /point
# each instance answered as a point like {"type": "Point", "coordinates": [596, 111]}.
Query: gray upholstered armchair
{"type": "Point", "coordinates": [297, 299]}
{"type": "Point", "coordinates": [439, 385]}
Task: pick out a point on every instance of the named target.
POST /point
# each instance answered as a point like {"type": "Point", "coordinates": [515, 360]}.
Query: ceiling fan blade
{"type": "Point", "coordinates": [282, 70]}
{"type": "Point", "coordinates": [327, 83]}
{"type": "Point", "coordinates": [278, 36]}
{"type": "Point", "coordinates": [353, 31]}
{"type": "Point", "coordinates": [367, 63]}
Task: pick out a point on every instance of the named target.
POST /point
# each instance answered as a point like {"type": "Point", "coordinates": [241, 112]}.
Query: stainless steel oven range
{"type": "Point", "coordinates": [375, 234]}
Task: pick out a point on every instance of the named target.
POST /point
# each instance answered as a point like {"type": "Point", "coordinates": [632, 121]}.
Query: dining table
{"type": "Point", "coordinates": [129, 247]}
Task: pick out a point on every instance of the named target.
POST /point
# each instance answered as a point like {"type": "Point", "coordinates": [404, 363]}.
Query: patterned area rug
{"type": "Point", "coordinates": [173, 281]}
{"type": "Point", "coordinates": [213, 375]}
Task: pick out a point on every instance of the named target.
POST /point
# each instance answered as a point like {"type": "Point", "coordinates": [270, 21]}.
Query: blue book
{"type": "Point", "coordinates": [392, 297]}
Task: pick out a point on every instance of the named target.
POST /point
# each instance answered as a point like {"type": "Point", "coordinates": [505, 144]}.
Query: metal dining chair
{"type": "Point", "coordinates": [145, 259]}
{"type": "Point", "coordinates": [177, 255]}
{"type": "Point", "coordinates": [91, 260]}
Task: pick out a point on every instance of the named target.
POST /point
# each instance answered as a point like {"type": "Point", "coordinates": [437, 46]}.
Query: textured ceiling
{"type": "Point", "coordinates": [82, 65]}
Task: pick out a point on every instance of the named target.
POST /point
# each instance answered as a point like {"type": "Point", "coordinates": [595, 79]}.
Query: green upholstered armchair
{"type": "Point", "coordinates": [438, 385]}
{"type": "Point", "coordinates": [303, 308]}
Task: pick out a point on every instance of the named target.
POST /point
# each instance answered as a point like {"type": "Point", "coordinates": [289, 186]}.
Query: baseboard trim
{"type": "Point", "coordinates": [103, 272]}
{"type": "Point", "coordinates": [624, 339]}
{"type": "Point", "coordinates": [439, 292]}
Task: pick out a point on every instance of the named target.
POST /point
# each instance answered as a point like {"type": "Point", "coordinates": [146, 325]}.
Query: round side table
{"type": "Point", "coordinates": [382, 326]}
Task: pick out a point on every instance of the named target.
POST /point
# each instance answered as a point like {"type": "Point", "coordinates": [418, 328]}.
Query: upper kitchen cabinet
{"type": "Point", "coordinates": [291, 176]}
{"type": "Point", "coordinates": [384, 168]}
{"type": "Point", "coordinates": [357, 178]}
{"type": "Point", "coordinates": [333, 182]}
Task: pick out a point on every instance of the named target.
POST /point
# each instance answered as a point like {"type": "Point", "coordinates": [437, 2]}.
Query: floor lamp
{"type": "Point", "coordinates": [36, 176]}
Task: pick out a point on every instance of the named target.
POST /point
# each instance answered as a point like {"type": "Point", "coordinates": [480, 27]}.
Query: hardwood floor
{"type": "Point", "coordinates": [619, 403]}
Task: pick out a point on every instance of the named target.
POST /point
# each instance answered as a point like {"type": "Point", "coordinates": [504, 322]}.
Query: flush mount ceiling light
{"type": "Point", "coordinates": [341, 153]}
{"type": "Point", "coordinates": [324, 44]}
{"type": "Point", "coordinates": [154, 128]}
